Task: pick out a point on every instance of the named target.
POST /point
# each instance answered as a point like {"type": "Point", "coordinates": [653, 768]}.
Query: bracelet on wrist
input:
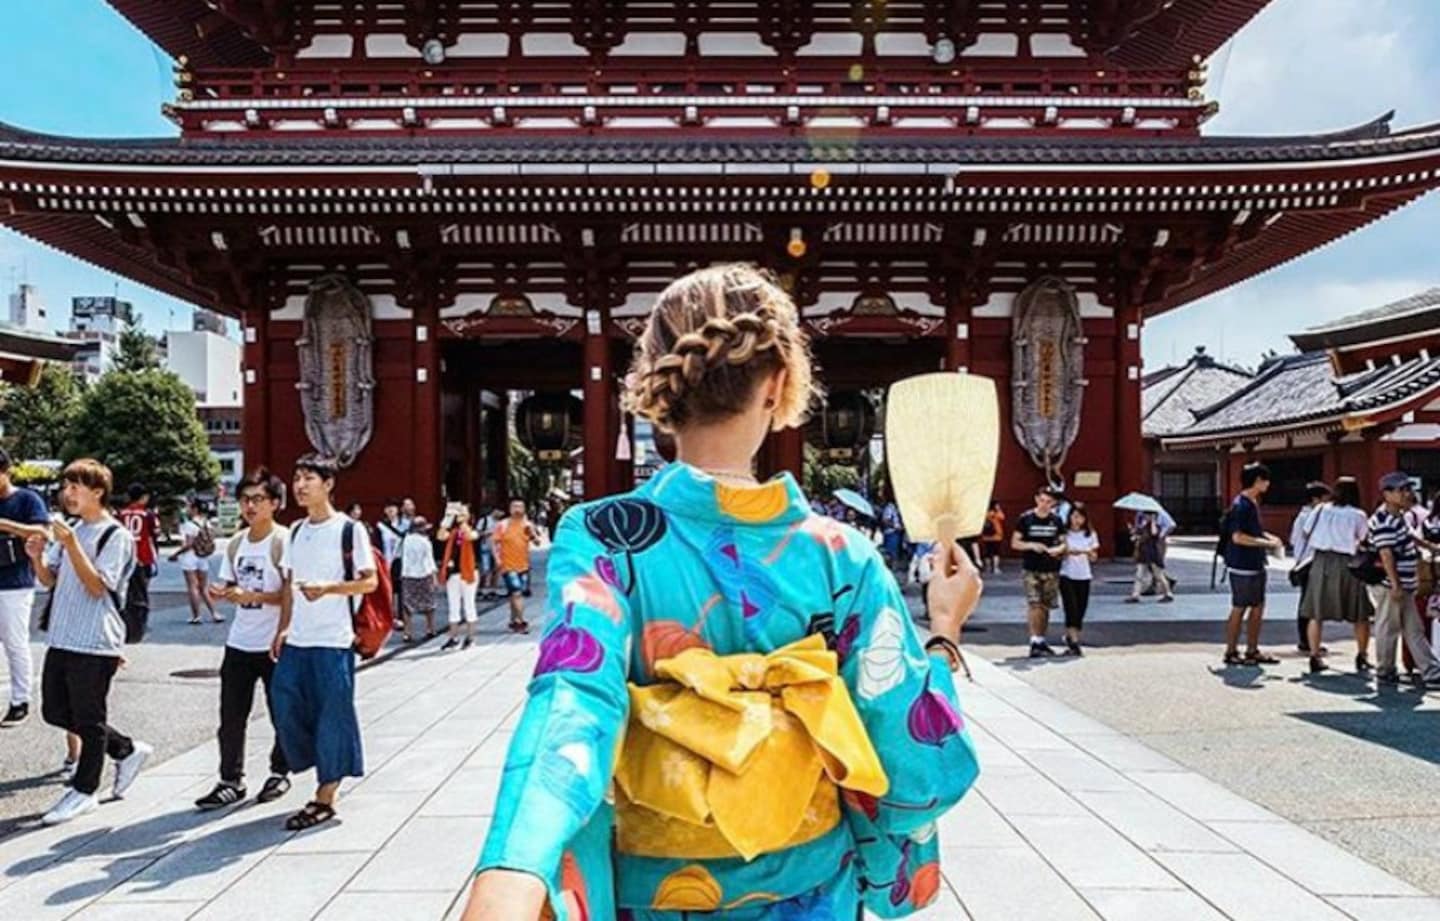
{"type": "Point", "coordinates": [950, 649]}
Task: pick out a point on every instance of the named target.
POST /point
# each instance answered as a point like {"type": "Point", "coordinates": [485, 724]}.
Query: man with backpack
{"type": "Point", "coordinates": [328, 561]}
{"type": "Point", "coordinates": [251, 579]}
{"type": "Point", "coordinates": [1246, 545]}
{"type": "Point", "coordinates": [22, 516]}
{"type": "Point", "coordinates": [144, 526]}
{"type": "Point", "coordinates": [87, 567]}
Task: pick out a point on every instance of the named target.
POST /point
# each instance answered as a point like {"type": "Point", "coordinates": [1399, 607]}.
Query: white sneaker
{"type": "Point", "coordinates": [67, 770]}
{"type": "Point", "coordinates": [128, 768]}
{"type": "Point", "coordinates": [71, 805]}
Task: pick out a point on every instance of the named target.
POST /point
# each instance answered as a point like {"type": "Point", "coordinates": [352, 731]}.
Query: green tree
{"type": "Point", "coordinates": [143, 425]}
{"type": "Point", "coordinates": [137, 350]}
{"type": "Point", "coordinates": [40, 419]}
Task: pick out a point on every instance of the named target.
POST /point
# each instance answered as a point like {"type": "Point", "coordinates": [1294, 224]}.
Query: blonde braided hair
{"type": "Point", "coordinates": [711, 339]}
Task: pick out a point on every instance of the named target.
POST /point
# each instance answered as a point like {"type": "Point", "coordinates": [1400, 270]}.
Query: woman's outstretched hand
{"type": "Point", "coordinates": [953, 592]}
{"type": "Point", "coordinates": [505, 895]}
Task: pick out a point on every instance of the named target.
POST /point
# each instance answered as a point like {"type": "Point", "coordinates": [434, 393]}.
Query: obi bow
{"type": "Point", "coordinates": [740, 755]}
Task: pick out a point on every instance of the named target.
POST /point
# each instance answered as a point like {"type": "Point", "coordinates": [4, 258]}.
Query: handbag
{"type": "Point", "coordinates": [1365, 565]}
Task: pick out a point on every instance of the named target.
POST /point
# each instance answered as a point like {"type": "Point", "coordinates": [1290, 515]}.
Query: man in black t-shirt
{"type": "Point", "coordinates": [1040, 536]}
{"type": "Point", "coordinates": [1246, 557]}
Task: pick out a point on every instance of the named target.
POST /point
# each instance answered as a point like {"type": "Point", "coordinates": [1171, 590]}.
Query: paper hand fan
{"type": "Point", "coordinates": [942, 442]}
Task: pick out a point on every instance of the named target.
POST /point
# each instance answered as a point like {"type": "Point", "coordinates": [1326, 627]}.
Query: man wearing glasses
{"type": "Point", "coordinates": [251, 579]}
{"type": "Point", "coordinates": [1394, 599]}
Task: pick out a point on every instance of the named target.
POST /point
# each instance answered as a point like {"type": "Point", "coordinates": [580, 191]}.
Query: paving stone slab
{"type": "Point", "coordinates": [1312, 861]}
{"type": "Point", "coordinates": [1150, 905]}
{"type": "Point", "coordinates": [1245, 889]}
{"type": "Point", "coordinates": [284, 886]}
{"type": "Point", "coordinates": [1014, 884]}
{"type": "Point", "coordinates": [429, 854]}
{"type": "Point", "coordinates": [1151, 823]}
{"type": "Point", "coordinates": [1089, 854]}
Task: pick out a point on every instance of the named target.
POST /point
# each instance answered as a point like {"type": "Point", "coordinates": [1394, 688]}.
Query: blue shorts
{"type": "Point", "coordinates": [516, 583]}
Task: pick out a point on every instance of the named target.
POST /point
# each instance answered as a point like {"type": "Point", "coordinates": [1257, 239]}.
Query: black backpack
{"type": "Point", "coordinates": [1222, 546]}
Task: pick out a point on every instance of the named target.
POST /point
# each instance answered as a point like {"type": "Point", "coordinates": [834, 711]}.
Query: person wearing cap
{"type": "Point", "coordinates": [1394, 598]}
{"type": "Point", "coordinates": [416, 557]}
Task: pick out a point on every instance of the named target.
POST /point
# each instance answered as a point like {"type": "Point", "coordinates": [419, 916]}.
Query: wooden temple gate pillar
{"type": "Point", "coordinates": [426, 460]}
{"type": "Point", "coordinates": [256, 320]}
{"type": "Point", "coordinates": [597, 394]}
{"type": "Point", "coordinates": [957, 333]}
{"type": "Point", "coordinates": [1130, 473]}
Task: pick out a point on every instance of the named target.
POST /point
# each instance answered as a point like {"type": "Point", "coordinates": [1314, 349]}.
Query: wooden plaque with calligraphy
{"type": "Point", "coordinates": [337, 378]}
{"type": "Point", "coordinates": [1048, 384]}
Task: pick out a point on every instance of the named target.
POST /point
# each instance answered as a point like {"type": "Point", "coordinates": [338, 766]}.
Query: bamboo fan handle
{"type": "Point", "coordinates": [947, 533]}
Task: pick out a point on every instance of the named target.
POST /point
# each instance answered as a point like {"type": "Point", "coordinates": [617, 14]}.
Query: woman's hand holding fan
{"type": "Point", "coordinates": [942, 443]}
{"type": "Point", "coordinates": [953, 592]}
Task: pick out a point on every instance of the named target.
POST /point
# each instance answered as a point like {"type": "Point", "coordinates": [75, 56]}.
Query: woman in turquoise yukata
{"type": "Point", "coordinates": [733, 715]}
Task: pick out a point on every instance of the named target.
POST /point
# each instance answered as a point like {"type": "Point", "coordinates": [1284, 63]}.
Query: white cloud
{"type": "Point", "coordinates": [1239, 324]}
{"type": "Point", "coordinates": [1306, 66]}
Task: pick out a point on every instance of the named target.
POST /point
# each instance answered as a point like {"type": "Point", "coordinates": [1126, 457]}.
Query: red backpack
{"type": "Point", "coordinates": [374, 616]}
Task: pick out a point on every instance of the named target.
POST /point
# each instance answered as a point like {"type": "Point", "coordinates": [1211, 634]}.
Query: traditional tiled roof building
{"type": "Point", "coordinates": [1362, 398]}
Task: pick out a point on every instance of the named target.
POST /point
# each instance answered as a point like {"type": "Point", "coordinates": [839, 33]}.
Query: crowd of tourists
{"type": "Point", "coordinates": [1373, 570]}
{"type": "Point", "coordinates": [295, 593]}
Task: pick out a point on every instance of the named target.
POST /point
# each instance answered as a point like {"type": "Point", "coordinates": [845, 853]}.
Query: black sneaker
{"type": "Point", "coordinates": [1362, 664]}
{"type": "Point", "coordinates": [1072, 648]}
{"type": "Point", "coordinates": [224, 794]}
{"type": "Point", "coordinates": [451, 643]}
{"type": "Point", "coordinates": [15, 715]}
{"type": "Point", "coordinates": [276, 786]}
{"type": "Point", "coordinates": [1041, 650]}
{"type": "Point", "coordinates": [1317, 665]}
{"type": "Point", "coordinates": [466, 644]}
{"type": "Point", "coordinates": [1388, 677]}
{"type": "Point", "coordinates": [1233, 658]}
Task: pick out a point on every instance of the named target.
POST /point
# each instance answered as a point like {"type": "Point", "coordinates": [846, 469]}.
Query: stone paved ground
{"type": "Point", "coordinates": [1072, 819]}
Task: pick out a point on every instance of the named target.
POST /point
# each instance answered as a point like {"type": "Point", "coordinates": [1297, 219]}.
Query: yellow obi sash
{"type": "Point", "coordinates": [741, 755]}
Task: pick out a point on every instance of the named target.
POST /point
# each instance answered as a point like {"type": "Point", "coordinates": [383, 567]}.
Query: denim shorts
{"type": "Point", "coordinates": [516, 583]}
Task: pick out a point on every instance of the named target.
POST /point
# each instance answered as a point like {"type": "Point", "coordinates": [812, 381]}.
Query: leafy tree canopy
{"type": "Point", "coordinates": [144, 426]}
{"type": "Point", "coordinates": [39, 420]}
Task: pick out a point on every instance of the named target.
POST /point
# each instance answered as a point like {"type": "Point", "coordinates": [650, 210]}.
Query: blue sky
{"type": "Point", "coordinates": [76, 67]}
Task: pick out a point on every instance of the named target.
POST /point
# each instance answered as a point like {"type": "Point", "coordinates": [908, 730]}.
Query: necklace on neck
{"type": "Point", "coordinates": [733, 475]}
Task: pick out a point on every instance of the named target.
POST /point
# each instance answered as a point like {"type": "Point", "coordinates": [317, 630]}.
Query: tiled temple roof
{"type": "Point", "coordinates": [1171, 396]}
{"type": "Point", "coordinates": [1302, 391]}
{"type": "Point", "coordinates": [1414, 314]}
{"type": "Point", "coordinates": [1370, 140]}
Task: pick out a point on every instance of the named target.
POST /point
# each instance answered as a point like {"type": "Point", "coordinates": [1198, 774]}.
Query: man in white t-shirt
{"type": "Point", "coordinates": [313, 691]}
{"type": "Point", "coordinates": [250, 578]}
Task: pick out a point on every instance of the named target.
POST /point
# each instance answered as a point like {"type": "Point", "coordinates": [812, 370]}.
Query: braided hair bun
{"type": "Point", "coordinates": [712, 338]}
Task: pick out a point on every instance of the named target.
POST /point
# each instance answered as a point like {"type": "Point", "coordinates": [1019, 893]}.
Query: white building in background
{"type": "Point", "coordinates": [208, 362]}
{"type": "Point", "coordinates": [27, 310]}
{"type": "Point", "coordinates": [96, 323]}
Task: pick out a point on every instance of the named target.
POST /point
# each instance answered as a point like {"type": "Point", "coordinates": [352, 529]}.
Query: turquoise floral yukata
{"type": "Point", "coordinates": [687, 561]}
